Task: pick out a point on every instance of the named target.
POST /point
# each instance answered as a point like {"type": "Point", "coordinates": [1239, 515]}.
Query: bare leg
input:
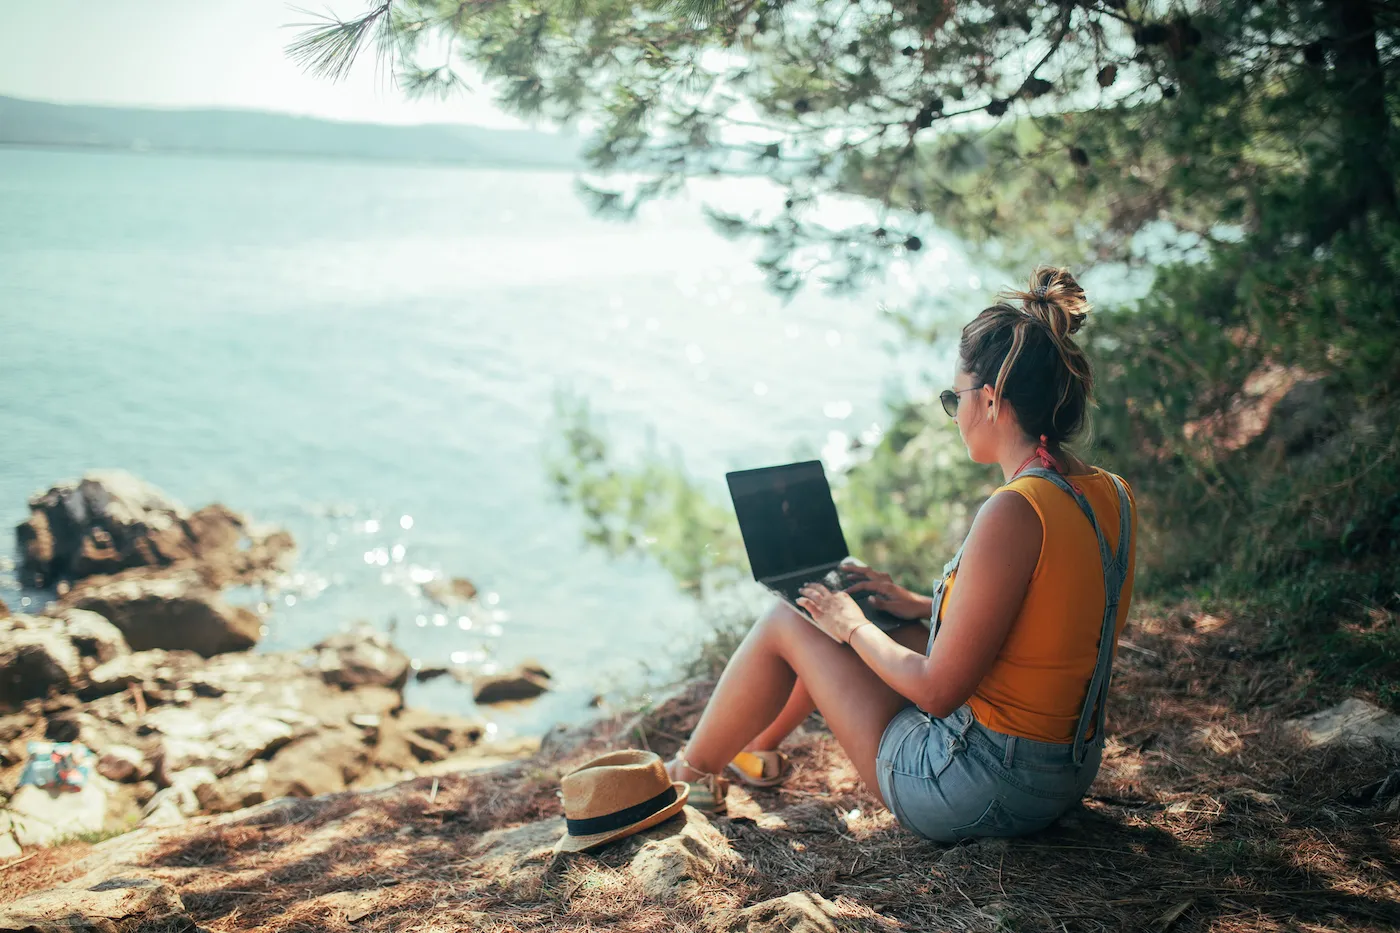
{"type": "Point", "coordinates": [758, 683]}
{"type": "Point", "coordinates": [799, 706]}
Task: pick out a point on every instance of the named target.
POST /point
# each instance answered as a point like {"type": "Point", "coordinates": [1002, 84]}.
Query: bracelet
{"type": "Point", "coordinates": [853, 631]}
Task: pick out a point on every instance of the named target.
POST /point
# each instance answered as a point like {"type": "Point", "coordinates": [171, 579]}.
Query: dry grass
{"type": "Point", "coordinates": [47, 868]}
{"type": "Point", "coordinates": [1205, 817]}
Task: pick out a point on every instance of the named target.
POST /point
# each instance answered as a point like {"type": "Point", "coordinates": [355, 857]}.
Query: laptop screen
{"type": "Point", "coordinates": [787, 518]}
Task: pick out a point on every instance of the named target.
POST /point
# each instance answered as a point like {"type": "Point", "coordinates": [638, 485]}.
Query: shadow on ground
{"type": "Point", "coordinates": [1207, 815]}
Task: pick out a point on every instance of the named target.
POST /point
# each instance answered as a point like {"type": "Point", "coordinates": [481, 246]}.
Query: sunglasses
{"type": "Point", "coordinates": [949, 398]}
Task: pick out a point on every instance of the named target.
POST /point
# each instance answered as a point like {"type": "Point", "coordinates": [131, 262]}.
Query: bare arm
{"type": "Point", "coordinates": [1002, 551]}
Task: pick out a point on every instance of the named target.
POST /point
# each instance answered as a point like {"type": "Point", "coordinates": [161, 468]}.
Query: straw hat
{"type": "Point", "coordinates": [616, 795]}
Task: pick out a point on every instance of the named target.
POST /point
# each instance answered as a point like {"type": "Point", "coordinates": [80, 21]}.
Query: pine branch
{"type": "Point", "coordinates": [328, 47]}
{"type": "Point", "coordinates": [430, 82]}
{"type": "Point", "coordinates": [703, 13]}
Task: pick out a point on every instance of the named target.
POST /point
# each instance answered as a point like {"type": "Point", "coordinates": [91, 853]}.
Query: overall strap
{"type": "Point", "coordinates": [1115, 575]}
{"type": "Point", "coordinates": [938, 590]}
{"type": "Point", "coordinates": [1115, 571]}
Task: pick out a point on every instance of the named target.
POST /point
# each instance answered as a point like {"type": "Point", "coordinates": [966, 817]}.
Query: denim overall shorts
{"type": "Point", "coordinates": [953, 778]}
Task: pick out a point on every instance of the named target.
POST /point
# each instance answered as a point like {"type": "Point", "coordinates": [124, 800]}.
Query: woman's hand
{"type": "Point", "coordinates": [834, 612]}
{"type": "Point", "coordinates": [888, 595]}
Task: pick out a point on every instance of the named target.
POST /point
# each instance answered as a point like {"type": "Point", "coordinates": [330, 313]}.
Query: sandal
{"type": "Point", "coordinates": [707, 793]}
{"type": "Point", "coordinates": [760, 769]}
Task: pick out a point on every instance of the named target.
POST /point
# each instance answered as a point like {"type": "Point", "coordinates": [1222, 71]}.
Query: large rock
{"type": "Point", "coordinates": [225, 741]}
{"type": "Point", "coordinates": [524, 683]}
{"type": "Point", "coordinates": [177, 610]}
{"type": "Point", "coordinates": [113, 906]}
{"type": "Point", "coordinates": [362, 657]}
{"type": "Point", "coordinates": [42, 817]}
{"type": "Point", "coordinates": [75, 725]}
{"type": "Point", "coordinates": [182, 734]}
{"type": "Point", "coordinates": [675, 857]}
{"type": "Point", "coordinates": [111, 521]}
{"type": "Point", "coordinates": [415, 736]}
{"type": "Point", "coordinates": [95, 639]}
{"type": "Point", "coordinates": [107, 522]}
{"type": "Point", "coordinates": [231, 549]}
{"type": "Point", "coordinates": [123, 764]}
{"type": "Point", "coordinates": [120, 673]}
{"type": "Point", "coordinates": [517, 858]}
{"type": "Point", "coordinates": [180, 800]}
{"type": "Point", "coordinates": [1351, 722]}
{"type": "Point", "coordinates": [35, 661]}
{"type": "Point", "coordinates": [245, 788]}
{"type": "Point", "coordinates": [324, 763]}
{"type": "Point", "coordinates": [563, 740]}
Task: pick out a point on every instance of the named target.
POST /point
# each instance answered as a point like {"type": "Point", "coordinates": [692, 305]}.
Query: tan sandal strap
{"type": "Point", "coordinates": [680, 759]}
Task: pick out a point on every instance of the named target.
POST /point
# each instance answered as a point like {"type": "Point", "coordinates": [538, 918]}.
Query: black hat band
{"type": "Point", "coordinates": [625, 817]}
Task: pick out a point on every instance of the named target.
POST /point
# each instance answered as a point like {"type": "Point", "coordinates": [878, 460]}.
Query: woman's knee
{"type": "Point", "coordinates": [791, 633]}
{"type": "Point", "coordinates": [780, 622]}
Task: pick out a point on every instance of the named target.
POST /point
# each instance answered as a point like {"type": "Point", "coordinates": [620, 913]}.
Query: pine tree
{"type": "Point", "coordinates": [1028, 123]}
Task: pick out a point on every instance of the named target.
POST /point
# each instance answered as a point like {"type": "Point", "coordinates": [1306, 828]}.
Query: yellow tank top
{"type": "Point", "coordinates": [1037, 684]}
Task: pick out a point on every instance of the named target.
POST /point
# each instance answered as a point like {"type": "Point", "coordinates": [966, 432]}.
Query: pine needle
{"type": "Point", "coordinates": [329, 46]}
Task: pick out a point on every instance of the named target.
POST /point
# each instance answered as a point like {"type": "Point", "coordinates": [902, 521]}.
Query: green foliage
{"type": "Point", "coordinates": [651, 508]}
{"type": "Point", "coordinates": [906, 508]}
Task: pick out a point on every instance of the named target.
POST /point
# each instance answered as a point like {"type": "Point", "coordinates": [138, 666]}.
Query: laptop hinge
{"type": "Point", "coordinates": [804, 572]}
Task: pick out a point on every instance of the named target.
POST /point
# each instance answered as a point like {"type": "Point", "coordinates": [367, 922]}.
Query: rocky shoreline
{"type": "Point", "coordinates": [143, 662]}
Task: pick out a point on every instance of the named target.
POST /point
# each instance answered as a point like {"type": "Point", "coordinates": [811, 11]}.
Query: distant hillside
{"type": "Point", "coordinates": [24, 122]}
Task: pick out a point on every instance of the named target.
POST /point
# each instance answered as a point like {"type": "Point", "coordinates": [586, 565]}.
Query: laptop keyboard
{"type": "Point", "coordinates": [837, 579]}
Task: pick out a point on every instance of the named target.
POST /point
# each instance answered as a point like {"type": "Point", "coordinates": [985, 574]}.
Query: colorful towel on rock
{"type": "Point", "coordinates": [62, 766]}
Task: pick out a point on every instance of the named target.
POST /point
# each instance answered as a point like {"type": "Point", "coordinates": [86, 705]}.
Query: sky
{"type": "Point", "coordinates": [200, 53]}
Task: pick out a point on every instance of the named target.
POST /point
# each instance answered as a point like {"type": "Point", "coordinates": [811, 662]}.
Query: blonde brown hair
{"type": "Point", "coordinates": [1027, 353]}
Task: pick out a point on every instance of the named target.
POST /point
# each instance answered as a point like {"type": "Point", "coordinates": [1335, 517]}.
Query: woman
{"type": "Point", "coordinates": [993, 724]}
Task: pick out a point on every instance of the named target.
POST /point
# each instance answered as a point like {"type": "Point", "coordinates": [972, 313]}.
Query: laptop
{"type": "Point", "coordinates": [793, 537]}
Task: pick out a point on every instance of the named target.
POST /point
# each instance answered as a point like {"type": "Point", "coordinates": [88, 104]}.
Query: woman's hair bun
{"type": "Point", "coordinates": [1055, 299]}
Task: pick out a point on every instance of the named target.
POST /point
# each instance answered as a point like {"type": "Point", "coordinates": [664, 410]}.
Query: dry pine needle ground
{"type": "Point", "coordinates": [1206, 816]}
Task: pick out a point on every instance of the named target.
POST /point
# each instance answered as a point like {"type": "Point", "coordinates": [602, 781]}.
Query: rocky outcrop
{"type": "Point", "coordinates": [207, 733]}
{"type": "Point", "coordinates": [106, 522]}
{"type": "Point", "coordinates": [114, 545]}
{"type": "Point", "coordinates": [177, 735]}
{"type": "Point", "coordinates": [1351, 722]}
{"type": "Point", "coordinates": [173, 610]}
{"type": "Point", "coordinates": [41, 817]}
{"type": "Point", "coordinates": [52, 654]}
{"type": "Point", "coordinates": [525, 682]}
{"type": "Point", "coordinates": [111, 521]}
{"type": "Point", "coordinates": [362, 657]}
{"type": "Point", "coordinates": [34, 662]}
{"type": "Point", "coordinates": [144, 662]}
{"type": "Point", "coordinates": [96, 640]}
{"type": "Point", "coordinates": [678, 856]}
{"type": "Point", "coordinates": [124, 764]}
{"type": "Point", "coordinates": [113, 906]}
